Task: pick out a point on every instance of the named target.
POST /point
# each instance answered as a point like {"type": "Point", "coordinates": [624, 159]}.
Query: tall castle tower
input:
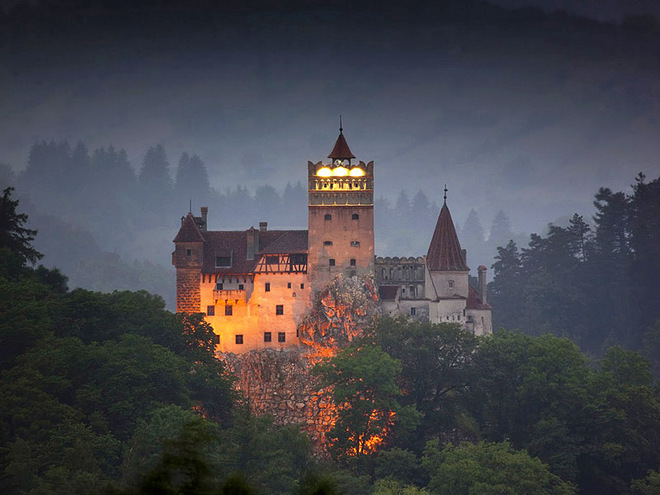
{"type": "Point", "coordinates": [341, 216]}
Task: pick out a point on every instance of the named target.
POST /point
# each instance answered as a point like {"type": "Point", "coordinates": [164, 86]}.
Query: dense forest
{"type": "Point", "coordinates": [109, 225]}
{"type": "Point", "coordinates": [111, 393]}
{"type": "Point", "coordinates": [598, 285]}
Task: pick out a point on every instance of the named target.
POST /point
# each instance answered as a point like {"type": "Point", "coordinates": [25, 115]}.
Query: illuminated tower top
{"type": "Point", "coordinates": [340, 182]}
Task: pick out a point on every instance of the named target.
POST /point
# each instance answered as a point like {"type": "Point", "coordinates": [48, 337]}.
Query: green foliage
{"type": "Point", "coordinates": [364, 389]}
{"type": "Point", "coordinates": [488, 468]}
{"type": "Point", "coordinates": [647, 486]}
{"type": "Point", "coordinates": [13, 234]}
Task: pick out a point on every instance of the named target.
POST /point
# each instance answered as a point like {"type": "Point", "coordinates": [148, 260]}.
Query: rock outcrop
{"type": "Point", "coordinates": [280, 382]}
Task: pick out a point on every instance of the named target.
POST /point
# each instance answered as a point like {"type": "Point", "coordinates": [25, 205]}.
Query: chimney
{"type": "Point", "coordinates": [252, 243]}
{"type": "Point", "coordinates": [482, 283]}
{"type": "Point", "coordinates": [205, 213]}
{"type": "Point", "coordinates": [263, 226]}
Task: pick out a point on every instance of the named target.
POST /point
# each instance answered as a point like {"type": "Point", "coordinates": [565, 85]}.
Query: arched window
{"type": "Point", "coordinates": [355, 216]}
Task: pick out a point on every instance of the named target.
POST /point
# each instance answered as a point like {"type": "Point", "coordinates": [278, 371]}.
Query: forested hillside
{"type": "Point", "coordinates": [110, 393]}
{"type": "Point", "coordinates": [598, 284]}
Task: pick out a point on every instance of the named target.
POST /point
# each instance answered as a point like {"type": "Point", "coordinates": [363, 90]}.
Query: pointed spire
{"type": "Point", "coordinates": [341, 151]}
{"type": "Point", "coordinates": [445, 194]}
{"type": "Point", "coordinates": [445, 253]}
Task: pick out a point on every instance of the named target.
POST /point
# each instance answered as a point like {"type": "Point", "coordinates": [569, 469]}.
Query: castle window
{"type": "Point", "coordinates": [327, 216]}
{"type": "Point", "coordinates": [229, 310]}
{"type": "Point", "coordinates": [327, 243]}
{"type": "Point", "coordinates": [239, 339]}
{"type": "Point", "coordinates": [241, 287]}
{"type": "Point", "coordinates": [210, 310]}
{"type": "Point", "coordinates": [268, 337]}
{"type": "Point", "coordinates": [355, 243]}
{"type": "Point", "coordinates": [412, 291]}
{"type": "Point", "coordinates": [302, 286]}
{"type": "Point", "coordinates": [216, 339]}
{"type": "Point", "coordinates": [353, 262]}
{"type": "Point", "coordinates": [288, 285]}
{"type": "Point", "coordinates": [451, 284]}
{"type": "Point", "coordinates": [355, 216]}
{"type": "Point", "coordinates": [267, 288]}
{"type": "Point", "coordinates": [222, 261]}
{"type": "Point", "coordinates": [281, 337]}
{"type": "Point", "coordinates": [188, 253]}
{"type": "Point", "coordinates": [279, 309]}
{"type": "Point", "coordinates": [331, 262]}
{"type": "Point", "coordinates": [413, 311]}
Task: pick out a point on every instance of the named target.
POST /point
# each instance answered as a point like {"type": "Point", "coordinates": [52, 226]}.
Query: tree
{"type": "Point", "coordinates": [192, 181]}
{"type": "Point", "coordinates": [364, 390]}
{"type": "Point", "coordinates": [13, 235]}
{"type": "Point", "coordinates": [489, 468]}
{"type": "Point", "coordinates": [435, 368]}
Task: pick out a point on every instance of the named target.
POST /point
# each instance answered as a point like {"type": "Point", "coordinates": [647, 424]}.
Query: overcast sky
{"type": "Point", "coordinates": [526, 116]}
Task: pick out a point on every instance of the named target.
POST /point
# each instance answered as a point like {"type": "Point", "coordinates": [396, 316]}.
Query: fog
{"type": "Point", "coordinates": [527, 112]}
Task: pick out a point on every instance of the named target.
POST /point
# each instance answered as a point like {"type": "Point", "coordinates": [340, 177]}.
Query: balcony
{"type": "Point", "coordinates": [230, 295]}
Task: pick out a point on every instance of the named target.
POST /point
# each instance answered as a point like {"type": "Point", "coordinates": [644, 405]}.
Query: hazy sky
{"type": "Point", "coordinates": [522, 115]}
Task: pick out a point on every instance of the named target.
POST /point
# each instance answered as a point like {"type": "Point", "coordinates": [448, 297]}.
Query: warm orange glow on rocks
{"type": "Point", "coordinates": [280, 383]}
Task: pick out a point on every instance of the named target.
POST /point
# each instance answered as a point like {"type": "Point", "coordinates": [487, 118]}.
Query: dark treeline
{"type": "Point", "coordinates": [110, 393]}
{"type": "Point", "coordinates": [598, 285]}
{"type": "Point", "coordinates": [109, 225]}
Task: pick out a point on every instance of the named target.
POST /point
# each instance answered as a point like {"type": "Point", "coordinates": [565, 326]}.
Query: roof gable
{"type": "Point", "coordinates": [445, 252]}
{"type": "Point", "coordinates": [189, 232]}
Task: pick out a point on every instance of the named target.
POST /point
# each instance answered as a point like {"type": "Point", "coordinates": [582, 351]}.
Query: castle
{"type": "Point", "coordinates": [255, 286]}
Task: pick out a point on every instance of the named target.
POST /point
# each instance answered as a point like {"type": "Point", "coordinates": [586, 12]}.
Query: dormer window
{"type": "Point", "coordinates": [223, 261]}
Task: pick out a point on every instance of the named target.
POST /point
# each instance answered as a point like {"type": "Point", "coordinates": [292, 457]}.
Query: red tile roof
{"type": "Point", "coordinates": [445, 251]}
{"type": "Point", "coordinates": [234, 244]}
{"type": "Point", "coordinates": [388, 292]}
{"type": "Point", "coordinates": [473, 300]}
{"type": "Point", "coordinates": [341, 151]}
{"type": "Point", "coordinates": [189, 232]}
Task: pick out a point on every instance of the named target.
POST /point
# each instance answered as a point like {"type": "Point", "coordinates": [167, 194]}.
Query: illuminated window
{"type": "Point", "coordinates": [355, 216]}
{"type": "Point", "coordinates": [268, 337]}
{"type": "Point", "coordinates": [331, 261]}
{"type": "Point", "coordinates": [355, 243]}
{"type": "Point", "coordinates": [327, 243]}
{"type": "Point", "coordinates": [267, 289]}
{"type": "Point", "coordinates": [222, 261]}
{"type": "Point", "coordinates": [281, 337]}
{"type": "Point", "coordinates": [279, 309]}
{"type": "Point", "coordinates": [210, 310]}
{"type": "Point", "coordinates": [413, 311]}
{"type": "Point", "coordinates": [239, 339]}
{"type": "Point", "coordinates": [229, 310]}
{"type": "Point", "coordinates": [327, 216]}
{"type": "Point", "coordinates": [353, 262]}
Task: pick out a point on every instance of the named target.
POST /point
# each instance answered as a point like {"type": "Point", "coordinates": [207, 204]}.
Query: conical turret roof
{"type": "Point", "coordinates": [341, 151]}
{"type": "Point", "coordinates": [445, 252]}
{"type": "Point", "coordinates": [189, 232]}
